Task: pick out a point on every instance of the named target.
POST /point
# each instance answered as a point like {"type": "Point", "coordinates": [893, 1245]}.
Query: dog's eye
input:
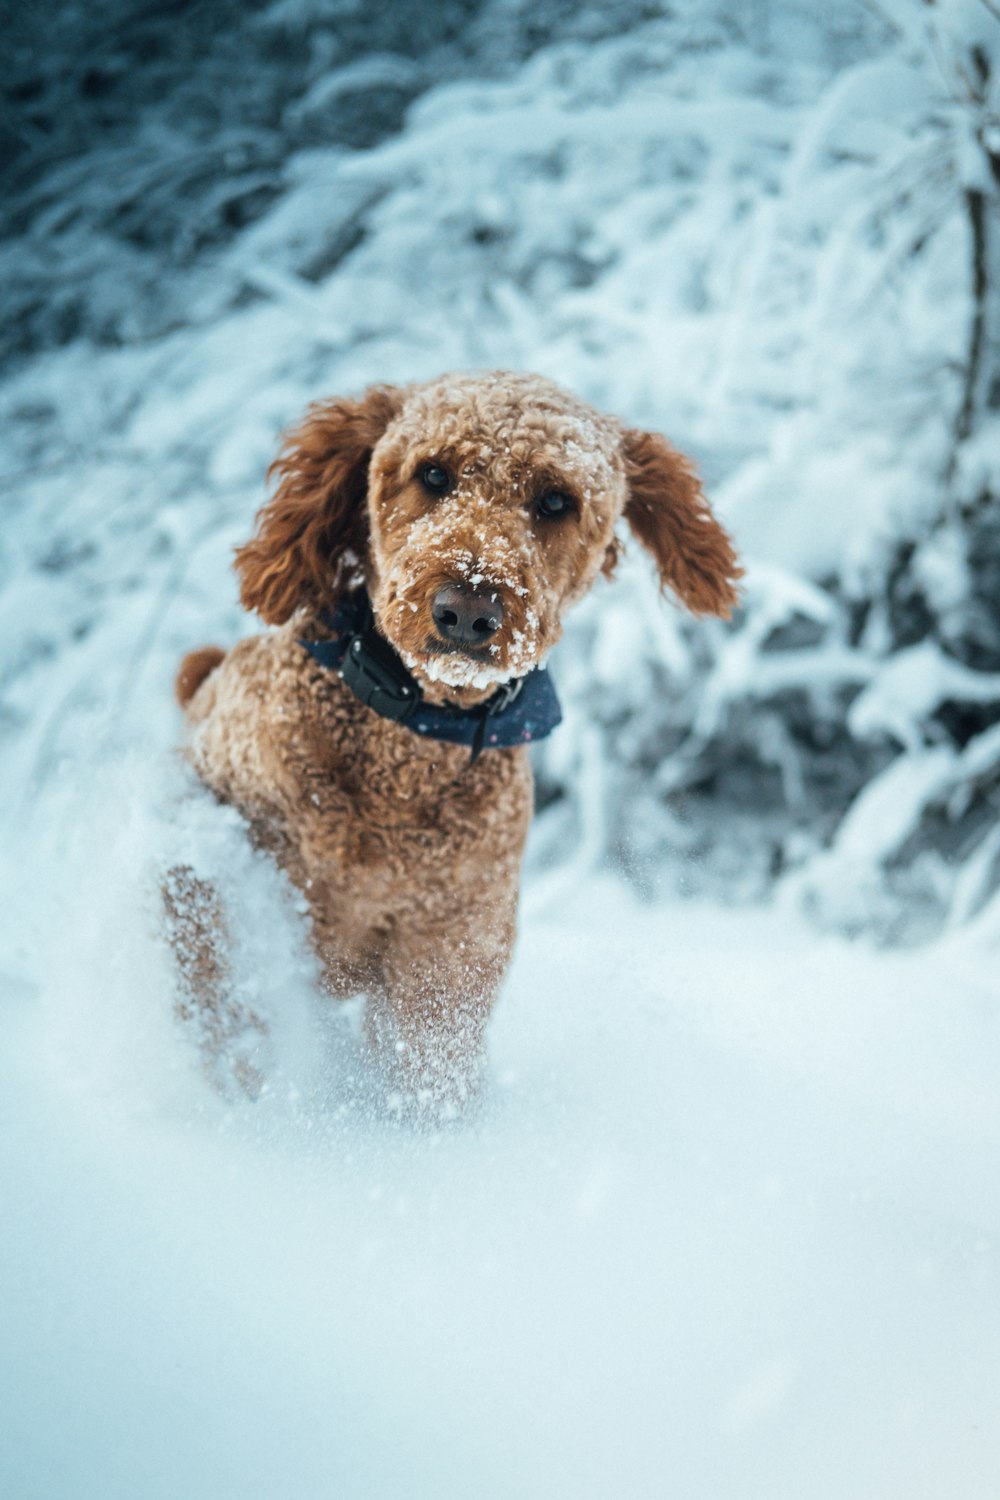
{"type": "Point", "coordinates": [435, 479]}
{"type": "Point", "coordinates": [553, 504]}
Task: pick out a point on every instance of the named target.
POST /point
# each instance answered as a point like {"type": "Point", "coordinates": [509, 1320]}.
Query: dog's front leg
{"type": "Point", "coordinates": [228, 1033]}
{"type": "Point", "coordinates": [426, 1023]}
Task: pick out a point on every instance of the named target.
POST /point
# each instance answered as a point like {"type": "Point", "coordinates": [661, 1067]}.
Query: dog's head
{"type": "Point", "coordinates": [476, 508]}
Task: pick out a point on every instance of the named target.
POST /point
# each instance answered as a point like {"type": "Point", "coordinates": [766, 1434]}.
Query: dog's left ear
{"type": "Point", "coordinates": [668, 512]}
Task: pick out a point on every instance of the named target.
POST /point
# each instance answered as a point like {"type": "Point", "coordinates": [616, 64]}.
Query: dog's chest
{"type": "Point", "coordinates": [374, 797]}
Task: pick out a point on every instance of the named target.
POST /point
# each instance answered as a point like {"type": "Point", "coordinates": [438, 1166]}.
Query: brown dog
{"type": "Point", "coordinates": [474, 509]}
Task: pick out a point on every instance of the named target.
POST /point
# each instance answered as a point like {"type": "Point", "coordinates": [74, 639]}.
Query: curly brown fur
{"type": "Point", "coordinates": [193, 670]}
{"type": "Point", "coordinates": [317, 518]}
{"type": "Point", "coordinates": [409, 856]}
{"type": "Point", "coordinates": [671, 517]}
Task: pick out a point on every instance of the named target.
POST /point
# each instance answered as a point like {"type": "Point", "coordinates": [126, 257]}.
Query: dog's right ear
{"type": "Point", "coordinates": [318, 512]}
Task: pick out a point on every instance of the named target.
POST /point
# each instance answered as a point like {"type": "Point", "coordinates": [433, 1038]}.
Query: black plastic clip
{"type": "Point", "coordinates": [375, 673]}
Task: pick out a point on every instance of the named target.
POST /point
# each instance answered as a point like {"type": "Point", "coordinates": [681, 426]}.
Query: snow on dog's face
{"type": "Point", "coordinates": [477, 508]}
{"type": "Point", "coordinates": [500, 490]}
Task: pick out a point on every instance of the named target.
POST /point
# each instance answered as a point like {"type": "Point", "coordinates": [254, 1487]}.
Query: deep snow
{"type": "Point", "coordinates": [727, 1227]}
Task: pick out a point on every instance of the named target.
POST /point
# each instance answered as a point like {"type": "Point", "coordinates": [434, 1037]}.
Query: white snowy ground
{"type": "Point", "coordinates": [727, 1227]}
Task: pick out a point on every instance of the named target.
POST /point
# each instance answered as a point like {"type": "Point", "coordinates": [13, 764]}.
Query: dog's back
{"type": "Point", "coordinates": [193, 670]}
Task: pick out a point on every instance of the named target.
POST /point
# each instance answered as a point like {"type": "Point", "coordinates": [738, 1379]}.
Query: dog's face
{"type": "Point", "coordinates": [492, 503]}
{"type": "Point", "coordinates": [477, 508]}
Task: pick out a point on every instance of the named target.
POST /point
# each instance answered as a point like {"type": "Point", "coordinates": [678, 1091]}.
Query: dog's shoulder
{"type": "Point", "coordinates": [249, 718]}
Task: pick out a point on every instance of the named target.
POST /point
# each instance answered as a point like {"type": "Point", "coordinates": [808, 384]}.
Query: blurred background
{"type": "Point", "coordinates": [769, 230]}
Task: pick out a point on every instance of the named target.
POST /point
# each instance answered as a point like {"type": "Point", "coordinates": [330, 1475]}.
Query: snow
{"type": "Point", "coordinates": [728, 1215]}
{"type": "Point", "coordinates": [911, 686]}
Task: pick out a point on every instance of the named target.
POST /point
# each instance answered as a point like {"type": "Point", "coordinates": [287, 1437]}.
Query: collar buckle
{"type": "Point", "coordinates": [502, 698]}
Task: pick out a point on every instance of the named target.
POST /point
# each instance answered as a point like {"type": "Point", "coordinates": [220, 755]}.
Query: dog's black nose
{"type": "Point", "coordinates": [465, 617]}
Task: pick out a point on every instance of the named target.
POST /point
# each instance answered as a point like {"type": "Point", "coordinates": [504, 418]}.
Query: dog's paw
{"type": "Point", "coordinates": [426, 1077]}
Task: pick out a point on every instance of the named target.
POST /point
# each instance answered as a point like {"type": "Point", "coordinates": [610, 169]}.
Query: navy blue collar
{"type": "Point", "coordinates": [521, 711]}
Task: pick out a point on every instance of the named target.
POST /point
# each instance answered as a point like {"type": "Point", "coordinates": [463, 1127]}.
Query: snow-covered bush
{"type": "Point", "coordinates": [844, 730]}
